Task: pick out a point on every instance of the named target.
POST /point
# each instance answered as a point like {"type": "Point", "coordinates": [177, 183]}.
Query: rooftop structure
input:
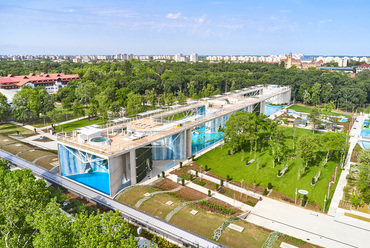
{"type": "Point", "coordinates": [363, 67]}
{"type": "Point", "coordinates": [123, 151]}
{"type": "Point", "coordinates": [43, 79]}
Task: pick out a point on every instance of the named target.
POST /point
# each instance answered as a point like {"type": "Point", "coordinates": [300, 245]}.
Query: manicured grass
{"type": "Point", "coordinates": [176, 116]}
{"type": "Point", "coordinates": [11, 129]}
{"type": "Point", "coordinates": [202, 223]}
{"type": "Point", "coordinates": [77, 124]}
{"type": "Point", "coordinates": [252, 236]}
{"type": "Point", "coordinates": [223, 165]}
{"type": "Point", "coordinates": [133, 195]}
{"type": "Point", "coordinates": [46, 162]}
{"type": "Point", "coordinates": [157, 206]}
{"type": "Point", "coordinates": [357, 217]}
{"type": "Point", "coordinates": [305, 109]}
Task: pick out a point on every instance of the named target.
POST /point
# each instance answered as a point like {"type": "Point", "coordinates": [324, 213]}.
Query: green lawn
{"type": "Point", "coordinates": [11, 129]}
{"type": "Point", "coordinates": [223, 165]}
{"type": "Point", "coordinates": [304, 109]}
{"type": "Point", "coordinates": [77, 124]}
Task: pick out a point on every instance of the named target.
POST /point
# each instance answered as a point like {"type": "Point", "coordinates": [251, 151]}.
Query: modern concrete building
{"type": "Point", "coordinates": [113, 156]}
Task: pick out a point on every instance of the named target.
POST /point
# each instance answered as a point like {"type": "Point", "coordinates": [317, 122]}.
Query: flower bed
{"type": "Point", "coordinates": [219, 203]}
{"type": "Point", "coordinates": [188, 194]}
{"type": "Point", "coordinates": [166, 184]}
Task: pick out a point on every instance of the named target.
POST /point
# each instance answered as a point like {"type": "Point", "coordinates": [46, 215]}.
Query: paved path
{"type": "Point", "coordinates": [165, 229]}
{"type": "Point", "coordinates": [310, 226]}
{"type": "Point", "coordinates": [137, 205]}
{"type": "Point", "coordinates": [338, 194]}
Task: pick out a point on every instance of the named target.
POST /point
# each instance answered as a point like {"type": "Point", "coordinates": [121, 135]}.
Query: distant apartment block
{"type": "Point", "coordinates": [193, 57]}
{"type": "Point", "coordinates": [51, 82]}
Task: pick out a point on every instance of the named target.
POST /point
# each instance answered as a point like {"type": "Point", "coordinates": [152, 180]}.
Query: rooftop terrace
{"type": "Point", "coordinates": [128, 133]}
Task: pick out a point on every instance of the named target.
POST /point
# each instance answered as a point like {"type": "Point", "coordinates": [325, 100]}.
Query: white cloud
{"type": "Point", "coordinates": [173, 16]}
{"type": "Point", "coordinates": [70, 10]}
{"type": "Point", "coordinates": [200, 20]}
{"type": "Point", "coordinates": [325, 21]}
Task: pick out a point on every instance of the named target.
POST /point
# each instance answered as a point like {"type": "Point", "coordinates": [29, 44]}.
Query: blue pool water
{"type": "Point", "coordinates": [95, 180]}
{"type": "Point", "coordinates": [366, 123]}
{"type": "Point", "coordinates": [201, 140]}
{"type": "Point", "coordinates": [272, 109]}
{"type": "Point", "coordinates": [366, 144]}
{"type": "Point", "coordinates": [365, 133]}
{"type": "Point", "coordinates": [344, 119]}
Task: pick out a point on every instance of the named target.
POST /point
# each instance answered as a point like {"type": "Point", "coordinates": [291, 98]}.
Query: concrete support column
{"type": "Point", "coordinates": [250, 108]}
{"type": "Point", "coordinates": [262, 107]}
{"type": "Point", "coordinates": [133, 166]}
{"type": "Point", "coordinates": [187, 149]}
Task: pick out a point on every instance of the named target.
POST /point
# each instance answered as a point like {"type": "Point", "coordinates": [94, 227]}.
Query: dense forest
{"type": "Point", "coordinates": [132, 84]}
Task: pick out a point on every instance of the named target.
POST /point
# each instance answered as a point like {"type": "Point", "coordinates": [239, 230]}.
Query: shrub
{"type": "Point", "coordinates": [250, 203]}
{"type": "Point", "coordinates": [163, 174]}
{"type": "Point", "coordinates": [201, 183]}
{"type": "Point", "coordinates": [227, 178]}
{"type": "Point", "coordinates": [313, 181]}
{"type": "Point", "coordinates": [265, 192]}
{"type": "Point", "coordinates": [186, 177]}
{"type": "Point", "coordinates": [278, 172]}
{"type": "Point", "coordinates": [182, 181]}
{"type": "Point", "coordinates": [180, 164]}
{"type": "Point", "coordinates": [304, 200]}
{"type": "Point", "coordinates": [218, 207]}
{"type": "Point", "coordinates": [206, 167]}
{"type": "Point", "coordinates": [222, 183]}
{"type": "Point", "coordinates": [209, 193]}
{"type": "Point", "coordinates": [196, 173]}
{"type": "Point", "coordinates": [269, 186]}
{"type": "Point", "coordinates": [228, 152]}
{"type": "Point", "coordinates": [217, 186]}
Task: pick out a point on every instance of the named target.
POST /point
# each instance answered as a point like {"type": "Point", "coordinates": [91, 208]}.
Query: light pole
{"type": "Point", "coordinates": [330, 183]}
{"type": "Point", "coordinates": [295, 199]}
{"type": "Point", "coordinates": [324, 204]}
{"type": "Point", "coordinates": [241, 186]}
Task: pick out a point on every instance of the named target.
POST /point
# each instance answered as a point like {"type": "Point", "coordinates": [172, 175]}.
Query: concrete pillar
{"type": "Point", "coordinates": [262, 107]}
{"type": "Point", "coordinates": [133, 166]}
{"type": "Point", "coordinates": [187, 143]}
{"type": "Point", "coordinates": [250, 108]}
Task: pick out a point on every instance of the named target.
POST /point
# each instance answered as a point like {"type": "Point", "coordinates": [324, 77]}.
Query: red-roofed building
{"type": "Point", "coordinates": [45, 80]}
{"type": "Point", "coordinates": [362, 67]}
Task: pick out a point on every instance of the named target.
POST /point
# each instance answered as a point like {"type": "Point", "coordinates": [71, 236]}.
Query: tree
{"type": "Point", "coordinates": [316, 94]}
{"type": "Point", "coordinates": [314, 118]}
{"type": "Point", "coordinates": [56, 115]}
{"type": "Point", "coordinates": [21, 196]}
{"type": "Point", "coordinates": [4, 108]}
{"type": "Point", "coordinates": [78, 109]}
{"type": "Point", "coordinates": [306, 98]}
{"type": "Point", "coordinates": [307, 148]}
{"type": "Point", "coordinates": [332, 141]}
{"type": "Point", "coordinates": [133, 104]}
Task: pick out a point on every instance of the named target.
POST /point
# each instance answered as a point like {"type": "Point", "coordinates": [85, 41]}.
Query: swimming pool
{"type": "Point", "coordinates": [343, 119]}
{"type": "Point", "coordinates": [366, 144]}
{"type": "Point", "coordinates": [269, 109]}
{"type": "Point", "coordinates": [365, 133]}
{"type": "Point", "coordinates": [101, 140]}
{"type": "Point", "coordinates": [95, 180]}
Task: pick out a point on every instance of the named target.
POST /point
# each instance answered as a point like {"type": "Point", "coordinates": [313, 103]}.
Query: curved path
{"type": "Point", "coordinates": [37, 159]}
{"type": "Point", "coordinates": [137, 205]}
{"type": "Point", "coordinates": [181, 206]}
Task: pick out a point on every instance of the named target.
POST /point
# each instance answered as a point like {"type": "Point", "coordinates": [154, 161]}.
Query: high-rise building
{"type": "Point", "coordinates": [193, 57]}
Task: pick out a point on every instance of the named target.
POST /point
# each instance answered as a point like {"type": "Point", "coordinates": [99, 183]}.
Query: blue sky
{"type": "Point", "coordinates": [171, 26]}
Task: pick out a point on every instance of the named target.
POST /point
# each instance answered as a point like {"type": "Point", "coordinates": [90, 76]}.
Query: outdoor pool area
{"type": "Point", "coordinates": [344, 119]}
{"type": "Point", "coordinates": [269, 109]}
{"type": "Point", "coordinates": [101, 140]}
{"type": "Point", "coordinates": [365, 133]}
{"type": "Point", "coordinates": [96, 180]}
{"type": "Point", "coordinates": [366, 144]}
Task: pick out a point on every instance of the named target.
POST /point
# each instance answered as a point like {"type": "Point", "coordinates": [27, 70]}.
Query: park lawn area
{"type": "Point", "coordinates": [32, 155]}
{"type": "Point", "coordinates": [252, 236]}
{"type": "Point", "coordinates": [5, 140]}
{"type": "Point", "coordinates": [133, 195]}
{"type": "Point", "coordinates": [304, 109]}
{"type": "Point", "coordinates": [15, 148]}
{"type": "Point", "coordinates": [202, 223]}
{"type": "Point", "coordinates": [222, 165]}
{"type": "Point", "coordinates": [46, 162]}
{"type": "Point", "coordinates": [157, 206]}
{"type": "Point", "coordinates": [77, 124]}
{"type": "Point", "coordinates": [11, 129]}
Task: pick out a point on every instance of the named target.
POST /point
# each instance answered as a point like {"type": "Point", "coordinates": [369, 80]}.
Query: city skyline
{"type": "Point", "coordinates": [167, 27]}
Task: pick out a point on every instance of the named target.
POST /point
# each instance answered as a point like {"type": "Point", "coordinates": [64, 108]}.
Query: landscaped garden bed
{"type": "Point", "coordinates": [218, 206]}
{"type": "Point", "coordinates": [188, 194]}
{"type": "Point", "coordinates": [166, 184]}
